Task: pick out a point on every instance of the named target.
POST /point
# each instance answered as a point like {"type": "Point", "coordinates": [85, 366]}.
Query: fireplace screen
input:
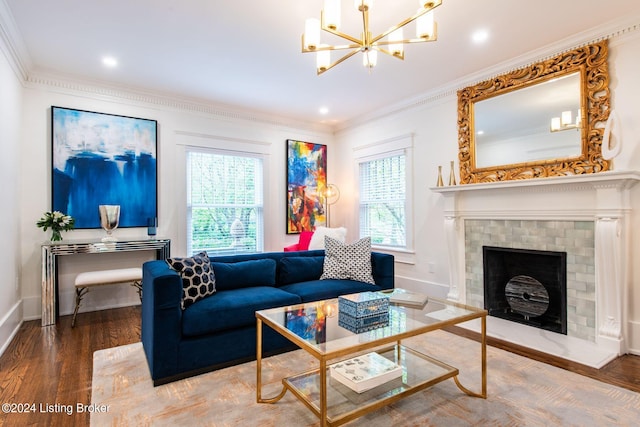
{"type": "Point", "coordinates": [526, 286]}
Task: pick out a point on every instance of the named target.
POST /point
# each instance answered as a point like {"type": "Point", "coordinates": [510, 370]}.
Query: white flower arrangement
{"type": "Point", "coordinates": [57, 222]}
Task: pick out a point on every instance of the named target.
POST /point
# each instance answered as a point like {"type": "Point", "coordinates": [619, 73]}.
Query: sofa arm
{"type": "Point", "coordinates": [383, 269]}
{"type": "Point", "coordinates": [161, 317]}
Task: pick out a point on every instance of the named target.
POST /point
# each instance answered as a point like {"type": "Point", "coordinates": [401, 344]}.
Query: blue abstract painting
{"type": "Point", "coordinates": [103, 159]}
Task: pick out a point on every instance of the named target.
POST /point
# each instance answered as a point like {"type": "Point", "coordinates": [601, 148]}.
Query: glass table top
{"type": "Point", "coordinates": [323, 329]}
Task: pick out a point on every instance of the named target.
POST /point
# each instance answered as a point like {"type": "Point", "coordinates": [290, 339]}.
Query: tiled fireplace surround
{"type": "Point", "coordinates": [586, 216]}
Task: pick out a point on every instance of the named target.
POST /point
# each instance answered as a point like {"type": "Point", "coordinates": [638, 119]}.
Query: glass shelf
{"type": "Point", "coordinates": [419, 371]}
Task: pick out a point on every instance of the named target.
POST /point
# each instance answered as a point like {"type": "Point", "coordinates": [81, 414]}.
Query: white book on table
{"type": "Point", "coordinates": [365, 372]}
{"type": "Point", "coordinates": [402, 296]}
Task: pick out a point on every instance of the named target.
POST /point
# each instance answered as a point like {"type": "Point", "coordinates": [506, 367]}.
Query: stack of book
{"type": "Point", "coordinates": [365, 372]}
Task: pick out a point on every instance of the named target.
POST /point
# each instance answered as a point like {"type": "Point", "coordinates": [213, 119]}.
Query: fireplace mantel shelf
{"type": "Point", "coordinates": [611, 178]}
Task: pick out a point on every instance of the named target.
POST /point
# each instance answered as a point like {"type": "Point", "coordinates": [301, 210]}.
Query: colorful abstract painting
{"type": "Point", "coordinates": [103, 159]}
{"type": "Point", "coordinates": [306, 184]}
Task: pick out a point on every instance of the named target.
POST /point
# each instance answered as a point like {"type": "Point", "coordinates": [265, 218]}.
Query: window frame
{"type": "Point", "coordinates": [380, 150]}
{"type": "Point", "coordinates": [261, 174]}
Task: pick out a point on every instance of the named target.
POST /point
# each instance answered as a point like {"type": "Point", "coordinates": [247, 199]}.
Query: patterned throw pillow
{"type": "Point", "coordinates": [342, 261]}
{"type": "Point", "coordinates": [198, 280]}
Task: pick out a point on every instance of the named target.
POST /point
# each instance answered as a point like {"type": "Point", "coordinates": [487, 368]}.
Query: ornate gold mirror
{"type": "Point", "coordinates": [543, 120]}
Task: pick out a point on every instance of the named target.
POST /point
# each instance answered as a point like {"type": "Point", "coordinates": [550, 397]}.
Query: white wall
{"type": "Point", "coordinates": [10, 111]}
{"type": "Point", "coordinates": [436, 143]}
{"type": "Point", "coordinates": [177, 126]}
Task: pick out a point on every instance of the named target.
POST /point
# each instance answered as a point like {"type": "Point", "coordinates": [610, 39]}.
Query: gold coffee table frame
{"type": "Point", "coordinates": [335, 404]}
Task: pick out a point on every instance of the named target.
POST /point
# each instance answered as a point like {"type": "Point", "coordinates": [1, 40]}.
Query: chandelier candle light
{"type": "Point", "coordinates": [393, 45]}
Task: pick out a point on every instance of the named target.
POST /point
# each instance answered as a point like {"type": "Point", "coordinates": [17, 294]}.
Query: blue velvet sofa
{"type": "Point", "coordinates": [220, 330]}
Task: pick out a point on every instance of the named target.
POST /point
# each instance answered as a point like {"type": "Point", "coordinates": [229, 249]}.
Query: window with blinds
{"type": "Point", "coordinates": [224, 203]}
{"type": "Point", "coordinates": [383, 200]}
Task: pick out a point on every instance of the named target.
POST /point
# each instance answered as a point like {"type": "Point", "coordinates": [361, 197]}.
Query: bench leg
{"type": "Point", "coordinates": [80, 292]}
{"type": "Point", "coordinates": [138, 285]}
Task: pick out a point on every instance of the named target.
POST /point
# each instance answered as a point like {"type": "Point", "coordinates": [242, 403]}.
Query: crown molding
{"type": "Point", "coordinates": [69, 84]}
{"type": "Point", "coordinates": [615, 31]}
{"type": "Point", "coordinates": [12, 45]}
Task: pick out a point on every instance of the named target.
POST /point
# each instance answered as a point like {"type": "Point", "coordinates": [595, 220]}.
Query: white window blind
{"type": "Point", "coordinates": [224, 203]}
{"type": "Point", "coordinates": [383, 200]}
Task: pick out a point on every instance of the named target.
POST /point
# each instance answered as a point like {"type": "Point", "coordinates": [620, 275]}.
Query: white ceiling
{"type": "Point", "coordinates": [247, 54]}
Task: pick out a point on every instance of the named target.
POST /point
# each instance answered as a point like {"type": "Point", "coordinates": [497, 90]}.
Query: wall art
{"type": "Point", "coordinates": [306, 186]}
{"type": "Point", "coordinates": [103, 159]}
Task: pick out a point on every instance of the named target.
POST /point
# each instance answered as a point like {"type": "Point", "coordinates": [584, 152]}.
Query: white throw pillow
{"type": "Point", "coordinates": [317, 240]}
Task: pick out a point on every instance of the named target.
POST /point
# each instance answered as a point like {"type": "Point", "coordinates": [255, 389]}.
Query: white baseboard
{"type": "Point", "coordinates": [9, 326]}
{"type": "Point", "coordinates": [97, 299]}
{"type": "Point", "coordinates": [634, 337]}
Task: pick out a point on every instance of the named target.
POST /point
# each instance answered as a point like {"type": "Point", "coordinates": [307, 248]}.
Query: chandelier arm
{"type": "Point", "coordinates": [328, 47]}
{"type": "Point", "coordinates": [406, 21]}
{"type": "Point", "coordinates": [359, 42]}
{"type": "Point", "coordinates": [386, 52]}
{"type": "Point", "coordinates": [344, 58]}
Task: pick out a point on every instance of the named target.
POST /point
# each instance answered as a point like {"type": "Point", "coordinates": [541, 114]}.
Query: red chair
{"type": "Point", "coordinates": [303, 242]}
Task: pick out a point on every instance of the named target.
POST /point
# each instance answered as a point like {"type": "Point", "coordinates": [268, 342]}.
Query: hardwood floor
{"type": "Point", "coordinates": [54, 365]}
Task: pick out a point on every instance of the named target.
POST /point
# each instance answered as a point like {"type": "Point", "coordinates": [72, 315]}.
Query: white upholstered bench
{"type": "Point", "coordinates": [105, 277]}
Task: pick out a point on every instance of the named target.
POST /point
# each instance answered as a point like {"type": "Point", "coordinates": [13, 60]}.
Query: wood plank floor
{"type": "Point", "coordinates": [54, 365]}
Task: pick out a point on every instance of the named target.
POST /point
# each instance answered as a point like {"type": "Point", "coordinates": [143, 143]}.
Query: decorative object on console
{"type": "Point", "coordinates": [96, 155]}
{"type": "Point", "coordinates": [306, 183]}
{"type": "Point", "coordinates": [426, 31]}
{"type": "Point", "coordinates": [198, 278]}
{"type": "Point", "coordinates": [317, 239]}
{"type": "Point", "coordinates": [352, 261]}
{"type": "Point", "coordinates": [365, 372]}
{"type": "Point", "coordinates": [152, 227]}
{"type": "Point", "coordinates": [109, 219]}
{"type": "Point", "coordinates": [57, 222]}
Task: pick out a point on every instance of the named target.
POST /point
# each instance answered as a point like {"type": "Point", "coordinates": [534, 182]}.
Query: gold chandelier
{"type": "Point", "coordinates": [426, 31]}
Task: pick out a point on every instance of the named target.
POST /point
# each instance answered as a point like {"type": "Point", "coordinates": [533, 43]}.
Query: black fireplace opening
{"type": "Point", "coordinates": [526, 286]}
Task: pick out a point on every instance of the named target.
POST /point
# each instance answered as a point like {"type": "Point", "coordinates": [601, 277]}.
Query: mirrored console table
{"type": "Point", "coordinates": [52, 250]}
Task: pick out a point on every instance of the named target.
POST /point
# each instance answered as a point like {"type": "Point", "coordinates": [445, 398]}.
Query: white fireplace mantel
{"type": "Point", "coordinates": [603, 198]}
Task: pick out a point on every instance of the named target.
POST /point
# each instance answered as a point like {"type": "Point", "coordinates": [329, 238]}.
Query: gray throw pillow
{"type": "Point", "coordinates": [353, 261]}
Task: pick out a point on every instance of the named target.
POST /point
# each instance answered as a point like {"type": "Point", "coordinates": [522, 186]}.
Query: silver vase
{"type": "Point", "coordinates": [109, 218]}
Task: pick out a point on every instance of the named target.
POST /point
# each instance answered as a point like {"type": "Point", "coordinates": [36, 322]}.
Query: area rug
{"type": "Point", "coordinates": [521, 392]}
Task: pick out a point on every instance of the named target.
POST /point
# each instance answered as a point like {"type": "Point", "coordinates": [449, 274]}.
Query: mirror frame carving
{"type": "Point", "coordinates": [591, 62]}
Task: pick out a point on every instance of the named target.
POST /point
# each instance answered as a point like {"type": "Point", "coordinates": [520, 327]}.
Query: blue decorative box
{"type": "Point", "coordinates": [362, 324]}
{"type": "Point", "coordinates": [363, 304]}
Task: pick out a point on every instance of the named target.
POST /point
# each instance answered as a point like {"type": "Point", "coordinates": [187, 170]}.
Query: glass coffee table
{"type": "Point", "coordinates": [320, 330]}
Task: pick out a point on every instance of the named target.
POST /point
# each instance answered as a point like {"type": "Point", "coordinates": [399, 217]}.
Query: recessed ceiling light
{"type": "Point", "coordinates": [324, 110]}
{"type": "Point", "coordinates": [109, 61]}
{"type": "Point", "coordinates": [480, 36]}
{"type": "Point", "coordinates": [480, 132]}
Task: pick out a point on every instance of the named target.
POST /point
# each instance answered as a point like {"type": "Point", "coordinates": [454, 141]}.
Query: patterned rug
{"type": "Point", "coordinates": [521, 392]}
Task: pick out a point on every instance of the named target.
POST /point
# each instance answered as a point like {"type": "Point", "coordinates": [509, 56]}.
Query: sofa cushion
{"type": "Point", "coordinates": [198, 278]}
{"type": "Point", "coordinates": [316, 290]}
{"type": "Point", "coordinates": [232, 309]}
{"type": "Point", "coordinates": [299, 269]}
{"type": "Point", "coordinates": [244, 274]}
{"type": "Point", "coordinates": [352, 261]}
